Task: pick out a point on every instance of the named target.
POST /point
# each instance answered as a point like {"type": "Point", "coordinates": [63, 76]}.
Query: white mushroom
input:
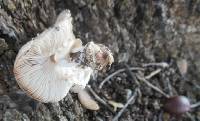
{"type": "Point", "coordinates": [50, 64]}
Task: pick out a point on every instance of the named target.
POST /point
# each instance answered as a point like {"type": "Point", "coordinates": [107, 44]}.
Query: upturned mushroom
{"type": "Point", "coordinates": [50, 64]}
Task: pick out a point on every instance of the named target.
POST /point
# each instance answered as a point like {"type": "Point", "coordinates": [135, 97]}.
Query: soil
{"type": "Point", "coordinates": [137, 31]}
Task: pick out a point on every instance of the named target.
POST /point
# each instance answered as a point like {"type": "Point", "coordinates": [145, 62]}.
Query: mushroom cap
{"type": "Point", "coordinates": [98, 56]}
{"type": "Point", "coordinates": [39, 76]}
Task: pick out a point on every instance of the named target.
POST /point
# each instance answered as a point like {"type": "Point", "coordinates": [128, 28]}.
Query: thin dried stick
{"type": "Point", "coordinates": [161, 64]}
{"type": "Point", "coordinates": [131, 99]}
{"type": "Point", "coordinates": [152, 86]}
{"type": "Point", "coordinates": [169, 87]}
{"type": "Point", "coordinates": [117, 72]}
{"type": "Point", "coordinates": [99, 99]}
{"type": "Point", "coordinates": [153, 74]}
{"type": "Point", "coordinates": [190, 116]}
{"type": "Point", "coordinates": [132, 74]}
{"type": "Point", "coordinates": [195, 105]}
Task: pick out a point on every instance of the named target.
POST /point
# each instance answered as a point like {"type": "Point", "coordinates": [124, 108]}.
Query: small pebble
{"type": "Point", "coordinates": [177, 105]}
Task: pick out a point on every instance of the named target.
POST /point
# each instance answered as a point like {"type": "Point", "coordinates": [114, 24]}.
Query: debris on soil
{"type": "Point", "coordinates": [115, 105]}
{"type": "Point", "coordinates": [182, 66]}
{"type": "Point", "coordinates": [131, 99]}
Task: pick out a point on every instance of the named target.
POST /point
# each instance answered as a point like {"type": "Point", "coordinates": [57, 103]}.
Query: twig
{"type": "Point", "coordinates": [190, 116]}
{"type": "Point", "coordinates": [99, 99]}
{"type": "Point", "coordinates": [132, 74]}
{"type": "Point", "coordinates": [195, 105]}
{"type": "Point", "coordinates": [151, 85]}
{"type": "Point", "coordinates": [153, 74]}
{"type": "Point", "coordinates": [131, 99]}
{"type": "Point", "coordinates": [161, 64]}
{"type": "Point", "coordinates": [169, 87]}
{"type": "Point", "coordinates": [117, 72]}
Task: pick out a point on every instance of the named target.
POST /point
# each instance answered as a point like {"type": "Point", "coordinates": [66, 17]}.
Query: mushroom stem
{"type": "Point", "coordinates": [58, 56]}
{"type": "Point", "coordinates": [61, 54]}
{"type": "Point", "coordinates": [53, 58]}
{"type": "Point", "coordinates": [75, 73]}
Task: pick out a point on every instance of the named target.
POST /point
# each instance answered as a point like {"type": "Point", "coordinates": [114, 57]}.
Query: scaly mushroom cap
{"type": "Point", "coordinates": [42, 67]}
{"type": "Point", "coordinates": [98, 56]}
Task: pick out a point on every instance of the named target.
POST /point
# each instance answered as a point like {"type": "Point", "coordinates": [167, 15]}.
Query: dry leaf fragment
{"type": "Point", "coordinates": [115, 104]}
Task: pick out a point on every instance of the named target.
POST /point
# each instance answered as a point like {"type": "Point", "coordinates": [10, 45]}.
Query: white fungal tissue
{"type": "Point", "coordinates": [44, 67]}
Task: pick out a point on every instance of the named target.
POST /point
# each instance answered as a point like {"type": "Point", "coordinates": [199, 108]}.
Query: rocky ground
{"type": "Point", "coordinates": [137, 31]}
